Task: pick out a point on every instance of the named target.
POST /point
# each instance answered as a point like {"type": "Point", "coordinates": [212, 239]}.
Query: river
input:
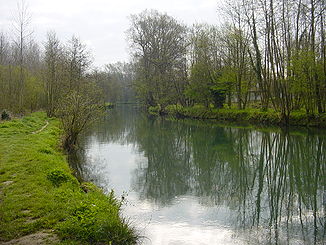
{"type": "Point", "coordinates": [194, 182]}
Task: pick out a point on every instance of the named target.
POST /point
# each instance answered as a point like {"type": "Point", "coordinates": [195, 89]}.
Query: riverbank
{"type": "Point", "coordinates": [250, 116]}
{"type": "Point", "coordinates": [41, 199]}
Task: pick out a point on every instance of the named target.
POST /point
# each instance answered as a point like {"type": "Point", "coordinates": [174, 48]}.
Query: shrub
{"type": "Point", "coordinates": [96, 221]}
{"type": "Point", "coordinates": [57, 177]}
{"type": "Point", "coordinates": [77, 110]}
{"type": "Point", "coordinates": [45, 151]}
{"type": "Point", "coordinates": [175, 111]}
{"type": "Point", "coordinates": [5, 115]}
{"type": "Point", "coordinates": [154, 110]}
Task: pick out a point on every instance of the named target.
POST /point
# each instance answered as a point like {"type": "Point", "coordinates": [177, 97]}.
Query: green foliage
{"type": "Point", "coordinates": [219, 97]}
{"type": "Point", "coordinates": [11, 94]}
{"type": "Point", "coordinates": [159, 71]}
{"type": "Point", "coordinates": [307, 80]}
{"type": "Point", "coordinates": [154, 110]}
{"type": "Point", "coordinates": [45, 151]}
{"type": "Point", "coordinates": [302, 67]}
{"type": "Point", "coordinates": [5, 115]}
{"type": "Point", "coordinates": [254, 116]}
{"type": "Point", "coordinates": [175, 111]}
{"type": "Point", "coordinates": [95, 220]}
{"type": "Point", "coordinates": [200, 84]}
{"type": "Point", "coordinates": [33, 92]}
{"type": "Point", "coordinates": [57, 177]}
{"type": "Point", "coordinates": [77, 110]}
{"type": "Point", "coordinates": [227, 79]}
{"type": "Point", "coordinates": [197, 111]}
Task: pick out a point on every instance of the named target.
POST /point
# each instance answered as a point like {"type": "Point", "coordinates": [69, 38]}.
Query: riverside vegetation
{"type": "Point", "coordinates": [252, 115]}
{"type": "Point", "coordinates": [38, 191]}
{"type": "Point", "coordinates": [267, 54]}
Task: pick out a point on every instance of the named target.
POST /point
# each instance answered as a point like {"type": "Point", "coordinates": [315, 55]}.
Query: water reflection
{"type": "Point", "coordinates": [266, 187]}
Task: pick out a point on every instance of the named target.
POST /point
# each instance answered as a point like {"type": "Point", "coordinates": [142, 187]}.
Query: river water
{"type": "Point", "coordinates": [193, 182]}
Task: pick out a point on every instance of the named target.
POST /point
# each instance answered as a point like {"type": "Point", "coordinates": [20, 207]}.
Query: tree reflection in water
{"type": "Point", "coordinates": [274, 181]}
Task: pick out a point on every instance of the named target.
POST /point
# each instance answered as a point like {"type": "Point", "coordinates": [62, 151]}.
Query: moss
{"type": "Point", "coordinates": [38, 190]}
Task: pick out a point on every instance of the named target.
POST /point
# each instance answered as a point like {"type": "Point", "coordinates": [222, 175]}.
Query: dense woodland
{"type": "Point", "coordinates": [267, 54]}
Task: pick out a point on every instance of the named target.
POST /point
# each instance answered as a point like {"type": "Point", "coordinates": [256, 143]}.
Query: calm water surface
{"type": "Point", "coordinates": [192, 182]}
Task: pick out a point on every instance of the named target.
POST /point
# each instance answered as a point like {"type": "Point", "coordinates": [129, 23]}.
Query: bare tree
{"type": "Point", "coordinates": [53, 53]}
{"type": "Point", "coordinates": [3, 79]}
{"type": "Point", "coordinates": [21, 27]}
{"type": "Point", "coordinates": [77, 110]}
{"type": "Point", "coordinates": [78, 60]}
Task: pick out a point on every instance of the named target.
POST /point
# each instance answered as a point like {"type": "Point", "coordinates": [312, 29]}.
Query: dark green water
{"type": "Point", "coordinates": [197, 183]}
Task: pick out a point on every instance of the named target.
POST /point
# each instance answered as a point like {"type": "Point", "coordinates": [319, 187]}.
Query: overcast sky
{"type": "Point", "coordinates": [102, 24]}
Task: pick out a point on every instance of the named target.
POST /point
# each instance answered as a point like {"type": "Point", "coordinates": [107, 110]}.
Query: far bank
{"type": "Point", "coordinates": [248, 116]}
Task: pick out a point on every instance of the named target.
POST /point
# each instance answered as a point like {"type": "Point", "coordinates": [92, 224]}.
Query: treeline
{"type": "Point", "coordinates": [42, 76]}
{"type": "Point", "coordinates": [267, 54]}
{"type": "Point", "coordinates": [57, 77]}
{"type": "Point", "coordinates": [115, 81]}
{"type": "Point", "coordinates": [34, 76]}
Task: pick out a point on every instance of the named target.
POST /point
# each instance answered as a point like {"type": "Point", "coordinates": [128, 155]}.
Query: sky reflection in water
{"type": "Point", "coordinates": [195, 183]}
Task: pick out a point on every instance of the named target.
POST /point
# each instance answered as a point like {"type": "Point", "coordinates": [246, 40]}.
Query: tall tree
{"type": "Point", "coordinates": [21, 26]}
{"type": "Point", "coordinates": [158, 44]}
{"type": "Point", "coordinates": [53, 53]}
{"type": "Point", "coordinates": [78, 60]}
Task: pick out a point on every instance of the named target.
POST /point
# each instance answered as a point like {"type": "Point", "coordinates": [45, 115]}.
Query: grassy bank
{"type": "Point", "coordinates": [251, 116]}
{"type": "Point", "coordinates": [39, 193]}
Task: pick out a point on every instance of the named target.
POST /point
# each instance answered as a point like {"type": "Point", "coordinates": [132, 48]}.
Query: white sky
{"type": "Point", "coordinates": [102, 24]}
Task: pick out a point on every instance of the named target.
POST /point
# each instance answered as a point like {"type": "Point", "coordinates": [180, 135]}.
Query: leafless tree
{"type": "Point", "coordinates": [53, 53]}
{"type": "Point", "coordinates": [78, 60]}
{"type": "Point", "coordinates": [21, 27]}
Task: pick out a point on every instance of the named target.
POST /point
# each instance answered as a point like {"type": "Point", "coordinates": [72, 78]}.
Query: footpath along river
{"type": "Point", "coordinates": [194, 182]}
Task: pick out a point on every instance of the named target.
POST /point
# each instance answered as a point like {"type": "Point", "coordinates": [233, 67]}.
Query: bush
{"type": "Point", "coordinates": [5, 115]}
{"type": "Point", "coordinates": [96, 221]}
{"type": "Point", "coordinates": [57, 177]}
{"type": "Point", "coordinates": [175, 111]}
{"type": "Point", "coordinates": [45, 151]}
{"type": "Point", "coordinates": [78, 110]}
{"type": "Point", "coordinates": [154, 110]}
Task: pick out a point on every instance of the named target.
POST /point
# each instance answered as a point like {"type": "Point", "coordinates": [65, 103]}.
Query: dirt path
{"type": "Point", "coordinates": [39, 238]}
{"type": "Point", "coordinates": [41, 129]}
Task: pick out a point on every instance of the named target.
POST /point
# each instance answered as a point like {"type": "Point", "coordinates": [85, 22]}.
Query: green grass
{"type": "Point", "coordinates": [251, 116]}
{"type": "Point", "coordinates": [38, 191]}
